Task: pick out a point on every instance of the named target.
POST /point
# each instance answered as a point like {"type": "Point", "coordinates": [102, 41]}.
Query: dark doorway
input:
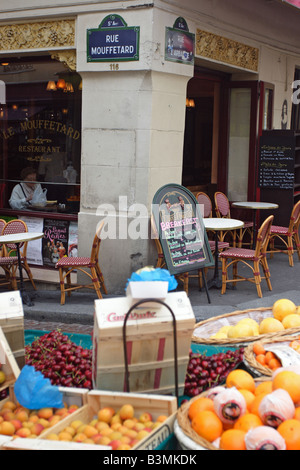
{"type": "Point", "coordinates": [197, 153]}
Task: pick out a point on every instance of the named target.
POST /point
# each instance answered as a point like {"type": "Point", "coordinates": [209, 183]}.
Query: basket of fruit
{"type": "Point", "coordinates": [245, 326]}
{"type": "Point", "coordinates": [266, 356]}
{"type": "Point", "coordinates": [245, 414]}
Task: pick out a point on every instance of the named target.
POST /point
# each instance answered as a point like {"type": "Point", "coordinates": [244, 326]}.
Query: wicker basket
{"type": "Point", "coordinates": [185, 427]}
{"type": "Point", "coordinates": [205, 329]}
{"type": "Point", "coordinates": [250, 358]}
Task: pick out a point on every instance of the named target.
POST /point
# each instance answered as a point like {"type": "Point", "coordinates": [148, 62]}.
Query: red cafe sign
{"type": "Point", "coordinates": [114, 317]}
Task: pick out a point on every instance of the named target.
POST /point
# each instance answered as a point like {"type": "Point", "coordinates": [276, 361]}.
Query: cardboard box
{"type": "Point", "coordinates": [149, 342]}
{"type": "Point", "coordinates": [156, 405]}
{"type": "Point", "coordinates": [40, 444]}
{"type": "Point", "coordinates": [140, 290]}
{"type": "Point", "coordinates": [12, 324]}
{"type": "Point", "coordinates": [8, 363]}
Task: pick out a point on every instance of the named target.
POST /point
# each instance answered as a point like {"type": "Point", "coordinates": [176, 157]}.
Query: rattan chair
{"type": "Point", "coordinates": [222, 208]}
{"type": "Point", "coordinates": [251, 258]}
{"type": "Point", "coordinates": [87, 265]}
{"type": "Point", "coordinates": [5, 263]}
{"type": "Point", "coordinates": [204, 200]}
{"type": "Point", "coordinates": [289, 236]}
{"type": "Point", "coordinates": [9, 261]}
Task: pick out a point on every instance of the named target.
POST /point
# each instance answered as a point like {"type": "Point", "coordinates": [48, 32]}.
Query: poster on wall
{"type": "Point", "coordinates": [180, 43]}
{"type": "Point", "coordinates": [34, 248]}
{"type": "Point", "coordinates": [73, 240]}
{"type": "Point", "coordinates": [55, 241]}
{"type": "Point", "coordinates": [294, 3]}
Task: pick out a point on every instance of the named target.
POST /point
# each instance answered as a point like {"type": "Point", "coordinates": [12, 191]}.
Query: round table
{"type": "Point", "coordinates": [255, 206]}
{"type": "Point", "coordinates": [218, 224]}
{"type": "Point", "coordinates": [18, 239]}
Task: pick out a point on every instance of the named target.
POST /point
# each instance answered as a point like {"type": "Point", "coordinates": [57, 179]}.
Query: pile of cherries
{"type": "Point", "coordinates": [204, 372]}
{"type": "Point", "coordinates": [60, 360]}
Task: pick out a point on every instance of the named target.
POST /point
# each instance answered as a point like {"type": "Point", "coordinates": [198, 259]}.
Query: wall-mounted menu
{"type": "Point", "coordinates": [276, 160]}
{"type": "Point", "coordinates": [180, 229]}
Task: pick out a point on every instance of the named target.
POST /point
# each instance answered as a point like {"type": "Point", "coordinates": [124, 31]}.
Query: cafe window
{"type": "Point", "coordinates": [40, 127]}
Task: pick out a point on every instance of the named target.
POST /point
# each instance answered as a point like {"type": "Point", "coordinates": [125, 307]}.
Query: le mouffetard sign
{"type": "Point", "coordinates": [113, 40]}
{"type": "Point", "coordinates": [180, 43]}
{"type": "Point", "coordinates": [180, 229]}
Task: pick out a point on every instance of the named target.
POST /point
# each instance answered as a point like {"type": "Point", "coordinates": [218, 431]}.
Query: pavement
{"type": "Point", "coordinates": [79, 308]}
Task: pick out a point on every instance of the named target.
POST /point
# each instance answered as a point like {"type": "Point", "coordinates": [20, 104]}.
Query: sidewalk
{"type": "Point", "coordinates": [79, 308]}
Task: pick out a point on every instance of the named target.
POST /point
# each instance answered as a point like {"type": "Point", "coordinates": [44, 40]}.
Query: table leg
{"type": "Point", "coordinates": [25, 296]}
{"type": "Point", "coordinates": [215, 281]}
{"type": "Point", "coordinates": [254, 229]}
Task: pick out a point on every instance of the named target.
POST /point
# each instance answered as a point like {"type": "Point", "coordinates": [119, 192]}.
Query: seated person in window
{"type": "Point", "coordinates": [22, 193]}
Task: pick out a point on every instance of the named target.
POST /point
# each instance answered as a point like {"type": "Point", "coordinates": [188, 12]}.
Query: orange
{"type": "Point", "coordinates": [264, 387]}
{"type": "Point", "coordinates": [247, 422]}
{"type": "Point", "coordinates": [290, 431]}
{"type": "Point", "coordinates": [207, 424]}
{"type": "Point", "coordinates": [233, 439]}
{"type": "Point", "coordinates": [249, 397]}
{"type": "Point", "coordinates": [274, 364]}
{"type": "Point", "coordinates": [258, 349]}
{"type": "Point", "coordinates": [282, 308]}
{"type": "Point", "coordinates": [256, 402]}
{"type": "Point", "coordinates": [200, 404]}
{"type": "Point", "coordinates": [269, 356]}
{"type": "Point", "coordinates": [240, 379]}
{"type": "Point", "coordinates": [297, 414]}
{"type": "Point", "coordinates": [289, 381]}
{"type": "Point", "coordinates": [261, 359]}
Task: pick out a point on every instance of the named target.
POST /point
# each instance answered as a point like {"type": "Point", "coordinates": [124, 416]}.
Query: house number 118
{"type": "Point", "coordinates": [114, 66]}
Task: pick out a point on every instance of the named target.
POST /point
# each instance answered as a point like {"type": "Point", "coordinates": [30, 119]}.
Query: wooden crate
{"type": "Point", "coordinates": [156, 405]}
{"type": "Point", "coordinates": [8, 363]}
{"type": "Point", "coordinates": [12, 324]}
{"type": "Point", "coordinates": [149, 342]}
{"type": "Point", "coordinates": [40, 444]}
{"type": "Point", "coordinates": [4, 440]}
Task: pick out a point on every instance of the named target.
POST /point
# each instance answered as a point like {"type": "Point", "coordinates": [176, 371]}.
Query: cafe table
{"type": "Point", "coordinates": [18, 239]}
{"type": "Point", "coordinates": [218, 224]}
{"type": "Point", "coordinates": [255, 206]}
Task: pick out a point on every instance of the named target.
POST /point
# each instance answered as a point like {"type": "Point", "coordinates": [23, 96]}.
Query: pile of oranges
{"type": "Point", "coordinates": [265, 358]}
{"type": "Point", "coordinates": [209, 424]}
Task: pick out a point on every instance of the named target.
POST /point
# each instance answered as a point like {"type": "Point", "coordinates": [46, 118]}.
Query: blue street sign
{"type": "Point", "coordinates": [113, 41]}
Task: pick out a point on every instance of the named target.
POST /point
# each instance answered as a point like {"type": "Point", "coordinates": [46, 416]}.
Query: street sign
{"type": "Point", "coordinates": [113, 41]}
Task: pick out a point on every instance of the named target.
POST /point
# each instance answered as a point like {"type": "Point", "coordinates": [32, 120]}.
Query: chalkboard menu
{"type": "Point", "coordinates": [276, 161]}
{"type": "Point", "coordinates": [180, 229]}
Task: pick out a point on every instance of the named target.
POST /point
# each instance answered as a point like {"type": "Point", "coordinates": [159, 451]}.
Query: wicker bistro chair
{"type": "Point", "coordinates": [5, 262]}
{"type": "Point", "coordinates": [222, 207]}
{"type": "Point", "coordinates": [256, 257]}
{"type": "Point", "coordinates": [204, 200]}
{"type": "Point", "coordinates": [9, 261]}
{"type": "Point", "coordinates": [287, 235]}
{"type": "Point", "coordinates": [87, 265]}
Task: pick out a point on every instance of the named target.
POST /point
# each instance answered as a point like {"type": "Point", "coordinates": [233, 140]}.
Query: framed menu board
{"type": "Point", "coordinates": [276, 160]}
{"type": "Point", "coordinates": [180, 229]}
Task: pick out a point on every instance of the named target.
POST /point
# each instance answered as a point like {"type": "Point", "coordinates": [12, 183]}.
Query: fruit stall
{"type": "Point", "coordinates": [153, 379]}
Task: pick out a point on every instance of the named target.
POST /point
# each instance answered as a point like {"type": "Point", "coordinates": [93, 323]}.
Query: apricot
{"type": "Point", "coordinates": [37, 429]}
{"type": "Point", "coordinates": [106, 414]}
{"type": "Point", "coordinates": [142, 434]}
{"type": "Point", "coordinates": [9, 405]}
{"type": "Point", "coordinates": [7, 428]}
{"type": "Point", "coordinates": [22, 416]}
{"type": "Point", "coordinates": [124, 447]}
{"type": "Point", "coordinates": [52, 437]}
{"type": "Point", "coordinates": [17, 424]}
{"type": "Point", "coordinates": [90, 431]}
{"type": "Point", "coordinates": [45, 413]}
{"type": "Point", "coordinates": [75, 424]}
{"type": "Point", "coordinates": [23, 432]}
{"type": "Point", "coordinates": [101, 440]}
{"type": "Point", "coordinates": [80, 437]}
{"type": "Point", "coordinates": [65, 436]}
{"type": "Point", "coordinates": [145, 417]}
{"type": "Point", "coordinates": [100, 425]}
{"type": "Point", "coordinates": [126, 412]}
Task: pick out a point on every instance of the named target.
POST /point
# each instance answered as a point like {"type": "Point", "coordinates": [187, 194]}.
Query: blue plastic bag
{"type": "Point", "coordinates": [157, 274]}
{"type": "Point", "coordinates": [34, 391]}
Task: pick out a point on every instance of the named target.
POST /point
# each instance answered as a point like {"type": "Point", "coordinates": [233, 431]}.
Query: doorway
{"type": "Point", "coordinates": [202, 128]}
